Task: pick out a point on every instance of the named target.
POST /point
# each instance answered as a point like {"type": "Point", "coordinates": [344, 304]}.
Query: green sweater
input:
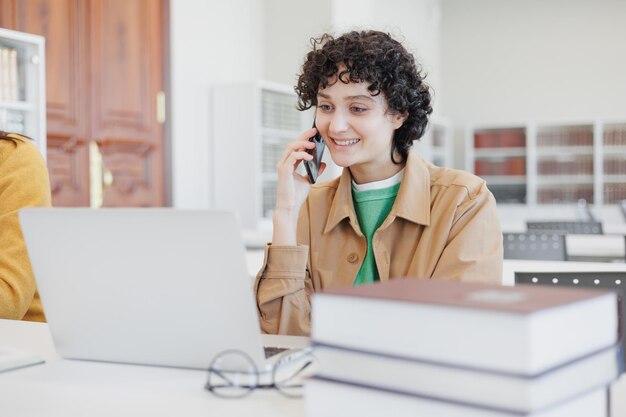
{"type": "Point", "coordinates": [372, 208]}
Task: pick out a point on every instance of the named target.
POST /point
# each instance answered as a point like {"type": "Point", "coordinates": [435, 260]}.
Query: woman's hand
{"type": "Point", "coordinates": [292, 188]}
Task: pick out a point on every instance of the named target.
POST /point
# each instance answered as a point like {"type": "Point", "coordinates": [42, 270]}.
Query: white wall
{"type": "Point", "coordinates": [518, 60]}
{"type": "Point", "coordinates": [289, 26]}
{"type": "Point", "coordinates": [416, 23]}
{"type": "Point", "coordinates": [211, 42]}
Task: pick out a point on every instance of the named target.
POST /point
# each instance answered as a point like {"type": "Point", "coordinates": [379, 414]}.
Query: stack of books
{"type": "Point", "coordinates": [412, 347]}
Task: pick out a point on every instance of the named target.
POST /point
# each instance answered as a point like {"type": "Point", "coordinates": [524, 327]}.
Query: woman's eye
{"type": "Point", "coordinates": [357, 109]}
{"type": "Point", "coordinates": [325, 107]}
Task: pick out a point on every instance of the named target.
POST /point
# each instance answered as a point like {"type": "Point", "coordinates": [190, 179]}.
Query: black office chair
{"type": "Point", "coordinates": [566, 227]}
{"type": "Point", "coordinates": [537, 246]}
{"type": "Point", "coordinates": [615, 281]}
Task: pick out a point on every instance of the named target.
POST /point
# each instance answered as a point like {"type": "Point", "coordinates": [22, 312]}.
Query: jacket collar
{"type": "Point", "coordinates": [412, 202]}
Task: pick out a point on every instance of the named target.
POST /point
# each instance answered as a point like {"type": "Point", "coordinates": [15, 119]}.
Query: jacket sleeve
{"type": "Point", "coordinates": [23, 183]}
{"type": "Point", "coordinates": [474, 248]}
{"type": "Point", "coordinates": [283, 286]}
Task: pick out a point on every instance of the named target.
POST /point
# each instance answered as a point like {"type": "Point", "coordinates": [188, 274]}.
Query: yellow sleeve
{"type": "Point", "coordinates": [23, 183]}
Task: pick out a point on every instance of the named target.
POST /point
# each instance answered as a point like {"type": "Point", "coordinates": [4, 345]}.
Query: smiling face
{"type": "Point", "coordinates": [358, 129]}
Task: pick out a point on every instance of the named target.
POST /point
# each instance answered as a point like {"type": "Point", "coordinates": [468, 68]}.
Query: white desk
{"type": "Point", "coordinates": [509, 267]}
{"type": "Point", "coordinates": [75, 388]}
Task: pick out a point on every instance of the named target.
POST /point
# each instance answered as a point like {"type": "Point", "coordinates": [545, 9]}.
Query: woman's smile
{"type": "Point", "coordinates": [345, 142]}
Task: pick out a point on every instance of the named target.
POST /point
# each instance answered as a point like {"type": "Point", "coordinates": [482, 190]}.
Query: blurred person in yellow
{"type": "Point", "coordinates": [23, 183]}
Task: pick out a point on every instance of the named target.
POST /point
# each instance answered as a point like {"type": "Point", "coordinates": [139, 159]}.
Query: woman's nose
{"type": "Point", "coordinates": [338, 123]}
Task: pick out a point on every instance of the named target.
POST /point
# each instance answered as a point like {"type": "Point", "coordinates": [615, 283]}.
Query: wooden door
{"type": "Point", "coordinates": [127, 60]}
{"type": "Point", "coordinates": [62, 23]}
{"type": "Point", "coordinates": [104, 69]}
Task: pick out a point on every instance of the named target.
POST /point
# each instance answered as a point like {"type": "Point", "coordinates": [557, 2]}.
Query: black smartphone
{"type": "Point", "coordinates": [313, 166]}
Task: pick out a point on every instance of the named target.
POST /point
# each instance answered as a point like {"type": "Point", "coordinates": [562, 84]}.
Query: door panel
{"type": "Point", "coordinates": [68, 167]}
{"type": "Point", "coordinates": [7, 14]}
{"type": "Point", "coordinates": [104, 68]}
{"type": "Point", "coordinates": [61, 22]}
{"type": "Point", "coordinates": [126, 55]}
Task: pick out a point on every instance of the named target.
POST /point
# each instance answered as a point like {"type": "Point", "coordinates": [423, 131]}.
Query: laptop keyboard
{"type": "Point", "coordinates": [273, 350]}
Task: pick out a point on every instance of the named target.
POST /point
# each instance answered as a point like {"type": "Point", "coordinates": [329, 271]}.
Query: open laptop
{"type": "Point", "coordinates": [145, 286]}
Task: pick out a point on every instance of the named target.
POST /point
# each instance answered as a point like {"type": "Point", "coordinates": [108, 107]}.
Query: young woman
{"type": "Point", "coordinates": [390, 214]}
{"type": "Point", "coordinates": [23, 182]}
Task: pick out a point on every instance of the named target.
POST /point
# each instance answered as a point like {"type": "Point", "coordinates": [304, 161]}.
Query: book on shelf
{"type": "Point", "coordinates": [512, 392]}
{"type": "Point", "coordinates": [13, 82]}
{"type": "Point", "coordinates": [13, 359]}
{"type": "Point", "coordinates": [500, 138]}
{"type": "Point", "coordinates": [8, 74]}
{"type": "Point", "coordinates": [524, 329]}
{"type": "Point", "coordinates": [327, 398]}
{"type": "Point", "coordinates": [4, 73]}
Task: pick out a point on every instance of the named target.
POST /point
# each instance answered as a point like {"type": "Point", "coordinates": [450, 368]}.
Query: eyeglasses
{"type": "Point", "coordinates": [233, 374]}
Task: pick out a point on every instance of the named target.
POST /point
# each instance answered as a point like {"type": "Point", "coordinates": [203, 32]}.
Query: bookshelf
{"type": "Point", "coordinates": [556, 164]}
{"type": "Point", "coordinates": [565, 159]}
{"type": "Point", "coordinates": [614, 162]}
{"type": "Point", "coordinates": [22, 85]}
{"type": "Point", "coordinates": [499, 155]}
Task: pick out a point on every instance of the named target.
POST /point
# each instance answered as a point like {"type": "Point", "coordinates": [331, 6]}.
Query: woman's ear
{"type": "Point", "coordinates": [399, 119]}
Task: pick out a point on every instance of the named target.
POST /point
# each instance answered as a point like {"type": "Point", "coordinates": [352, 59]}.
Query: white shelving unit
{"type": "Point", "coordinates": [436, 144]}
{"type": "Point", "coordinates": [564, 161]}
{"type": "Point", "coordinates": [252, 123]}
{"type": "Point", "coordinates": [612, 156]}
{"type": "Point", "coordinates": [23, 85]}
{"type": "Point", "coordinates": [499, 154]}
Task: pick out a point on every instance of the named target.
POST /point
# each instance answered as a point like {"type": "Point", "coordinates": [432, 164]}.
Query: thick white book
{"type": "Point", "coordinates": [13, 359]}
{"type": "Point", "coordinates": [13, 77]}
{"type": "Point", "coordinates": [325, 398]}
{"type": "Point", "coordinates": [504, 391]}
{"type": "Point", "coordinates": [526, 329]}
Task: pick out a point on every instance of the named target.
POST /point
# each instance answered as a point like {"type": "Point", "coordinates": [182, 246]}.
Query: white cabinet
{"type": "Point", "coordinates": [22, 85]}
{"type": "Point", "coordinates": [541, 163]}
{"type": "Point", "coordinates": [436, 144]}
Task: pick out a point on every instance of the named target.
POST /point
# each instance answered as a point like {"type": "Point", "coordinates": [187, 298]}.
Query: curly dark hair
{"type": "Point", "coordinates": [374, 57]}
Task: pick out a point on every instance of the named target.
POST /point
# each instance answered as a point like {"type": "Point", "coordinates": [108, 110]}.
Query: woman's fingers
{"type": "Point", "coordinates": [301, 143]}
{"type": "Point", "coordinates": [294, 159]}
{"type": "Point", "coordinates": [292, 188]}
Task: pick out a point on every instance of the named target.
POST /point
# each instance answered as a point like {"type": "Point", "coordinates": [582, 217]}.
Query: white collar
{"type": "Point", "coordinates": [377, 185]}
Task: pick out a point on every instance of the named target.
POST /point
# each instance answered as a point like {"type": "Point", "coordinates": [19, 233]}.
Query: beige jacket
{"type": "Point", "coordinates": [443, 225]}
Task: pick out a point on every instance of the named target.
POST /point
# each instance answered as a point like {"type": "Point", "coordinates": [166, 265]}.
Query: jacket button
{"type": "Point", "coordinates": [353, 257]}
